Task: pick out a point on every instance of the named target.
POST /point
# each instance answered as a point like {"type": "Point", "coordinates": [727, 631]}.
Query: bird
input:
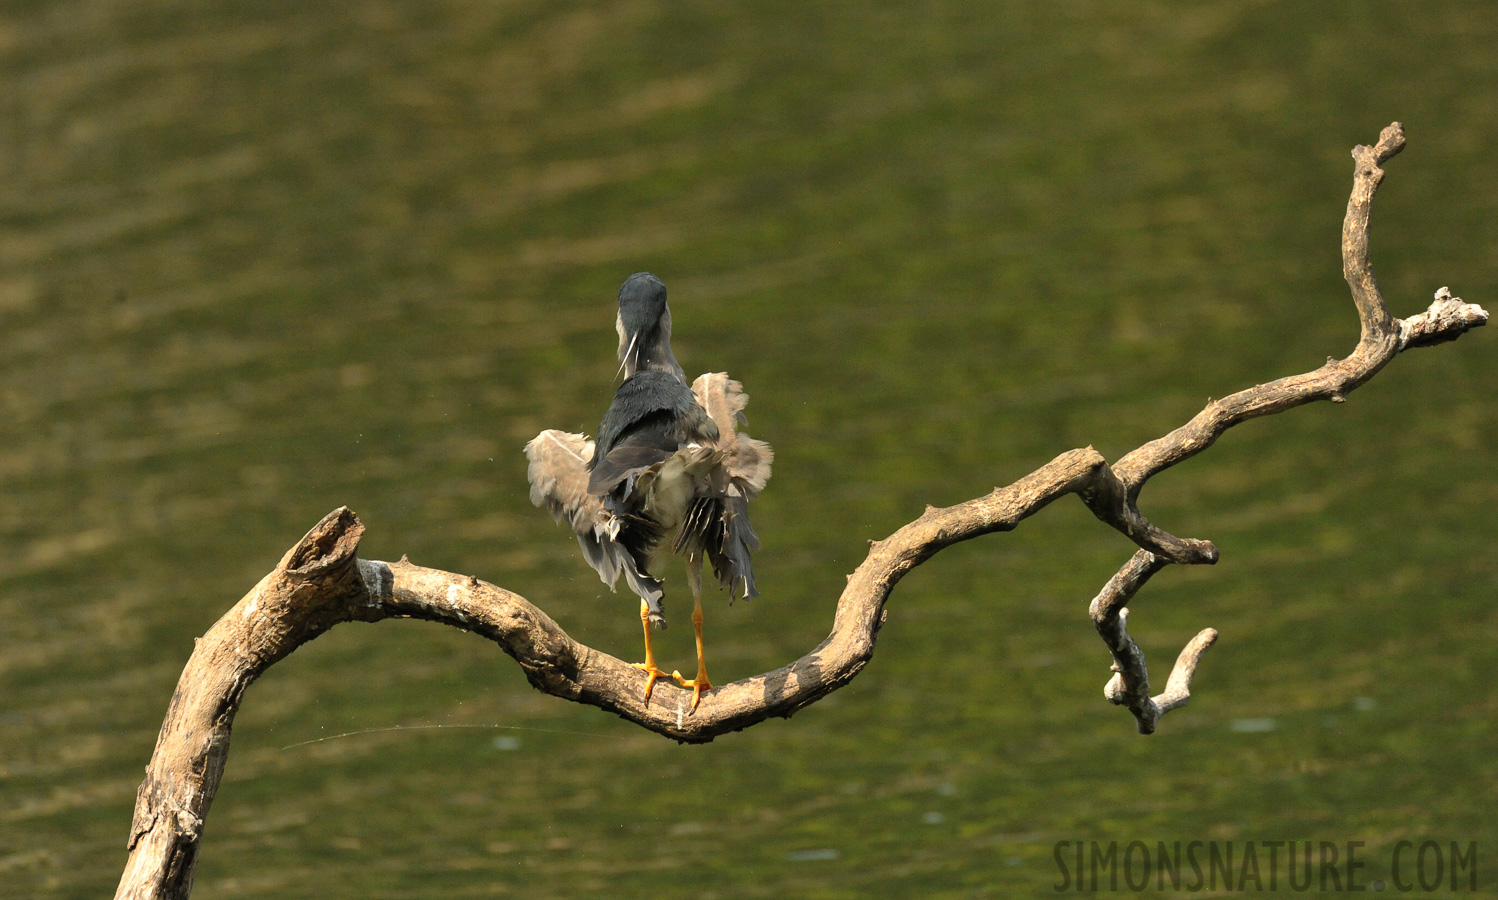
{"type": "Point", "coordinates": [669, 473]}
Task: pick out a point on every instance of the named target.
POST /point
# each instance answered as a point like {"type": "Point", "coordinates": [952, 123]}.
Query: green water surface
{"type": "Point", "coordinates": [261, 260]}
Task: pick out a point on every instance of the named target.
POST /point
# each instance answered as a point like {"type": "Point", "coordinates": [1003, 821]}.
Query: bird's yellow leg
{"type": "Point", "coordinates": [700, 683]}
{"type": "Point", "coordinates": [648, 666]}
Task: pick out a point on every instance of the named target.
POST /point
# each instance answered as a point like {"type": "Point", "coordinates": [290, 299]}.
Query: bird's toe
{"type": "Point", "coordinates": [698, 685]}
{"type": "Point", "coordinates": [654, 674]}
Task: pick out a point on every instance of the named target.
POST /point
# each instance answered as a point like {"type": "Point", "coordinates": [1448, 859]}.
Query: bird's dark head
{"type": "Point", "coordinates": [644, 326]}
{"type": "Point", "coordinates": [642, 303]}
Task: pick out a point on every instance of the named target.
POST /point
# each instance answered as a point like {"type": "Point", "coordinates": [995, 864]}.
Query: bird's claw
{"type": "Point", "coordinates": [698, 685]}
{"type": "Point", "coordinates": [655, 675]}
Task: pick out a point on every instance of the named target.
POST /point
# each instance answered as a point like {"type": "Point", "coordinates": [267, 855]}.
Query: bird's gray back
{"type": "Point", "coordinates": [653, 415]}
{"type": "Point", "coordinates": [654, 401]}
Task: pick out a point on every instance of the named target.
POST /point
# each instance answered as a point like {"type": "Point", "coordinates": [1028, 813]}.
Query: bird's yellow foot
{"type": "Point", "coordinates": [698, 685]}
{"type": "Point", "coordinates": [655, 675]}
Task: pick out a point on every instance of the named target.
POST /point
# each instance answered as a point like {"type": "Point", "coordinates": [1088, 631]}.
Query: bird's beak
{"type": "Point", "coordinates": [628, 355]}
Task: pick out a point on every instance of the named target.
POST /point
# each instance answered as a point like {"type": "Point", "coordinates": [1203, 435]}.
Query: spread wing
{"type": "Point", "coordinates": [748, 460]}
{"type": "Point", "coordinates": [558, 474]}
{"type": "Point", "coordinates": [719, 526]}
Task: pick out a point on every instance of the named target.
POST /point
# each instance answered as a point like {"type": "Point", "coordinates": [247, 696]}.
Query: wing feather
{"type": "Point", "coordinates": [748, 460]}
{"type": "Point", "coordinates": [558, 474]}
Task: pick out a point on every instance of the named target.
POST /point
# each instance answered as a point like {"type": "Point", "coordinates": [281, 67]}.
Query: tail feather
{"type": "Point", "coordinates": [738, 543]}
{"type": "Point", "coordinates": [719, 530]}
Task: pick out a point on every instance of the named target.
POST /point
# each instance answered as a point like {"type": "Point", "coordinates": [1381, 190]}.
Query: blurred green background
{"type": "Point", "coordinates": [260, 260]}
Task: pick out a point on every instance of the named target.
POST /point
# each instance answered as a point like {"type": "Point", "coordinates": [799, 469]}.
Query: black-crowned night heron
{"type": "Point", "coordinates": [669, 472]}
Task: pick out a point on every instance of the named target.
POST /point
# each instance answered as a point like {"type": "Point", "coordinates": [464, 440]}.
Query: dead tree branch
{"type": "Point", "coordinates": [321, 582]}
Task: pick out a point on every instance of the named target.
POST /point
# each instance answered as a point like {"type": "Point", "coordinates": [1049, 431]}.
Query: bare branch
{"type": "Point", "coordinates": [320, 582]}
{"type": "Point", "coordinates": [315, 586]}
{"type": "Point", "coordinates": [1382, 338]}
{"type": "Point", "coordinates": [1379, 343]}
{"type": "Point", "coordinates": [1130, 684]}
